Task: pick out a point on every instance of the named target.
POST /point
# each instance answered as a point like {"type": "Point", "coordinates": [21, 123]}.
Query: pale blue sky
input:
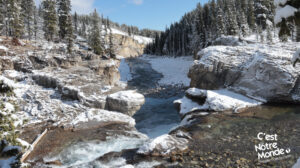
{"type": "Point", "coordinates": [153, 14]}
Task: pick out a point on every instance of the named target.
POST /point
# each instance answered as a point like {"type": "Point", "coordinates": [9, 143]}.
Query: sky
{"type": "Point", "coordinates": [153, 14]}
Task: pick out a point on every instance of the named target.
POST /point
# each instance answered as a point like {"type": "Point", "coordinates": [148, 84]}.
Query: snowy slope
{"type": "Point", "coordinates": [174, 70]}
{"type": "Point", "coordinates": [140, 39]}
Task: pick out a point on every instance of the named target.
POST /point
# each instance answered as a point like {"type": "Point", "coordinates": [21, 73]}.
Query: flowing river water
{"type": "Point", "coordinates": [158, 116]}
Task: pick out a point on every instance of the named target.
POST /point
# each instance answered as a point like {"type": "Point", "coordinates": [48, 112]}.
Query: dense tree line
{"type": "Point", "coordinates": [83, 21]}
{"type": "Point", "coordinates": [198, 28]}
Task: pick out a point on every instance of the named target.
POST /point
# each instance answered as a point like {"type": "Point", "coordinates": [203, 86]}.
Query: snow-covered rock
{"type": "Point", "coordinates": [196, 93]}
{"type": "Point", "coordinates": [228, 41]}
{"type": "Point", "coordinates": [215, 100]}
{"type": "Point", "coordinates": [95, 118]}
{"type": "Point", "coordinates": [164, 145]}
{"type": "Point", "coordinates": [259, 71]}
{"type": "Point", "coordinates": [127, 102]}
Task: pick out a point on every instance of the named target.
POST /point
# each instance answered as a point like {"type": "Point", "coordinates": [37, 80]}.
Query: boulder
{"type": "Point", "coordinates": [127, 102]}
{"type": "Point", "coordinates": [164, 145]}
{"type": "Point", "coordinates": [262, 72]}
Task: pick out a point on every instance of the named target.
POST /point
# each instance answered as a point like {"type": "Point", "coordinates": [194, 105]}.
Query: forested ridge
{"type": "Point", "coordinates": [198, 28]}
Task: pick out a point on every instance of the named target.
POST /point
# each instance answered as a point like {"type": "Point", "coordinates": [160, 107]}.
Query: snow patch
{"type": "Point", "coordinates": [163, 144]}
{"type": "Point", "coordinates": [297, 165]}
{"type": "Point", "coordinates": [3, 48]}
{"type": "Point", "coordinates": [103, 116]}
{"type": "Point", "coordinates": [174, 70]}
{"type": "Point", "coordinates": [296, 56]}
{"type": "Point", "coordinates": [217, 100]}
{"type": "Point", "coordinates": [129, 95]}
{"type": "Point", "coordinates": [284, 12]}
{"type": "Point", "coordinates": [6, 163]}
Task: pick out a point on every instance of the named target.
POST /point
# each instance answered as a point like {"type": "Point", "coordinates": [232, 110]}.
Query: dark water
{"type": "Point", "coordinates": [158, 115]}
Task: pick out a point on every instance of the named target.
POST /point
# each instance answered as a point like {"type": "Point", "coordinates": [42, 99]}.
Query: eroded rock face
{"type": "Point", "coordinates": [260, 71]}
{"type": "Point", "coordinates": [127, 102]}
{"type": "Point", "coordinates": [127, 46]}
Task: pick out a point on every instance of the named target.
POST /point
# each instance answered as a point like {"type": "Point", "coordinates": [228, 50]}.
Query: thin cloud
{"type": "Point", "coordinates": [136, 2]}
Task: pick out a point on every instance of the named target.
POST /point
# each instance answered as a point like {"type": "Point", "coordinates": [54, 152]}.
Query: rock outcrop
{"type": "Point", "coordinates": [259, 71]}
{"type": "Point", "coordinates": [127, 102]}
{"type": "Point", "coordinates": [127, 46]}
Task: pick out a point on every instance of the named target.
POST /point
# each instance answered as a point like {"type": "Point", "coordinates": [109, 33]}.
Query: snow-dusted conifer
{"type": "Point", "coordinates": [221, 29]}
{"type": "Point", "coordinates": [244, 25]}
{"type": "Point", "coordinates": [15, 22]}
{"type": "Point", "coordinates": [27, 10]}
{"type": "Point", "coordinates": [94, 37]}
{"type": "Point", "coordinates": [50, 19]}
{"type": "Point", "coordinates": [64, 9]}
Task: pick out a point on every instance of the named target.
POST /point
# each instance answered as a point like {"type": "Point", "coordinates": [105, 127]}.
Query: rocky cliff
{"type": "Point", "coordinates": [259, 71]}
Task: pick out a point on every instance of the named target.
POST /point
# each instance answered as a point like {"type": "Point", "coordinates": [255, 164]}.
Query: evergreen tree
{"type": "Point", "coordinates": [27, 10]}
{"type": "Point", "coordinates": [35, 22]}
{"type": "Point", "coordinates": [250, 14]}
{"type": "Point", "coordinates": [221, 29]}
{"type": "Point", "coordinates": [2, 11]}
{"type": "Point", "coordinates": [232, 25]}
{"type": "Point", "coordinates": [69, 35]}
{"type": "Point", "coordinates": [269, 34]}
{"type": "Point", "coordinates": [244, 25]}
{"type": "Point", "coordinates": [94, 37]}
{"type": "Point", "coordinates": [284, 32]}
{"type": "Point", "coordinates": [50, 19]}
{"type": "Point", "coordinates": [15, 23]}
{"type": "Point", "coordinates": [75, 23]}
{"type": "Point", "coordinates": [111, 51]}
{"type": "Point", "coordinates": [64, 9]}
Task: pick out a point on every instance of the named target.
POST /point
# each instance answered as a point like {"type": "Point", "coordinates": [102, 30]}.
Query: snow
{"type": "Point", "coordinates": [23, 143]}
{"type": "Point", "coordinates": [142, 40]}
{"type": "Point", "coordinates": [297, 165]}
{"type": "Point", "coordinates": [124, 70]}
{"type": "Point", "coordinates": [103, 116]}
{"type": "Point", "coordinates": [164, 144]}
{"type": "Point", "coordinates": [174, 70]}
{"type": "Point", "coordinates": [3, 48]}
{"type": "Point", "coordinates": [296, 56]}
{"type": "Point", "coordinates": [187, 105]}
{"type": "Point", "coordinates": [9, 107]}
{"type": "Point", "coordinates": [8, 162]}
{"type": "Point", "coordinates": [139, 39]}
{"type": "Point", "coordinates": [279, 2]}
{"type": "Point", "coordinates": [196, 92]}
{"type": "Point", "coordinates": [284, 12]}
{"type": "Point", "coordinates": [128, 95]}
{"type": "Point", "coordinates": [217, 100]}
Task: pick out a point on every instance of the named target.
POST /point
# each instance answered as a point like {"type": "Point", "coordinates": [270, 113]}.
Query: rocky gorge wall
{"type": "Point", "coordinates": [259, 71]}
